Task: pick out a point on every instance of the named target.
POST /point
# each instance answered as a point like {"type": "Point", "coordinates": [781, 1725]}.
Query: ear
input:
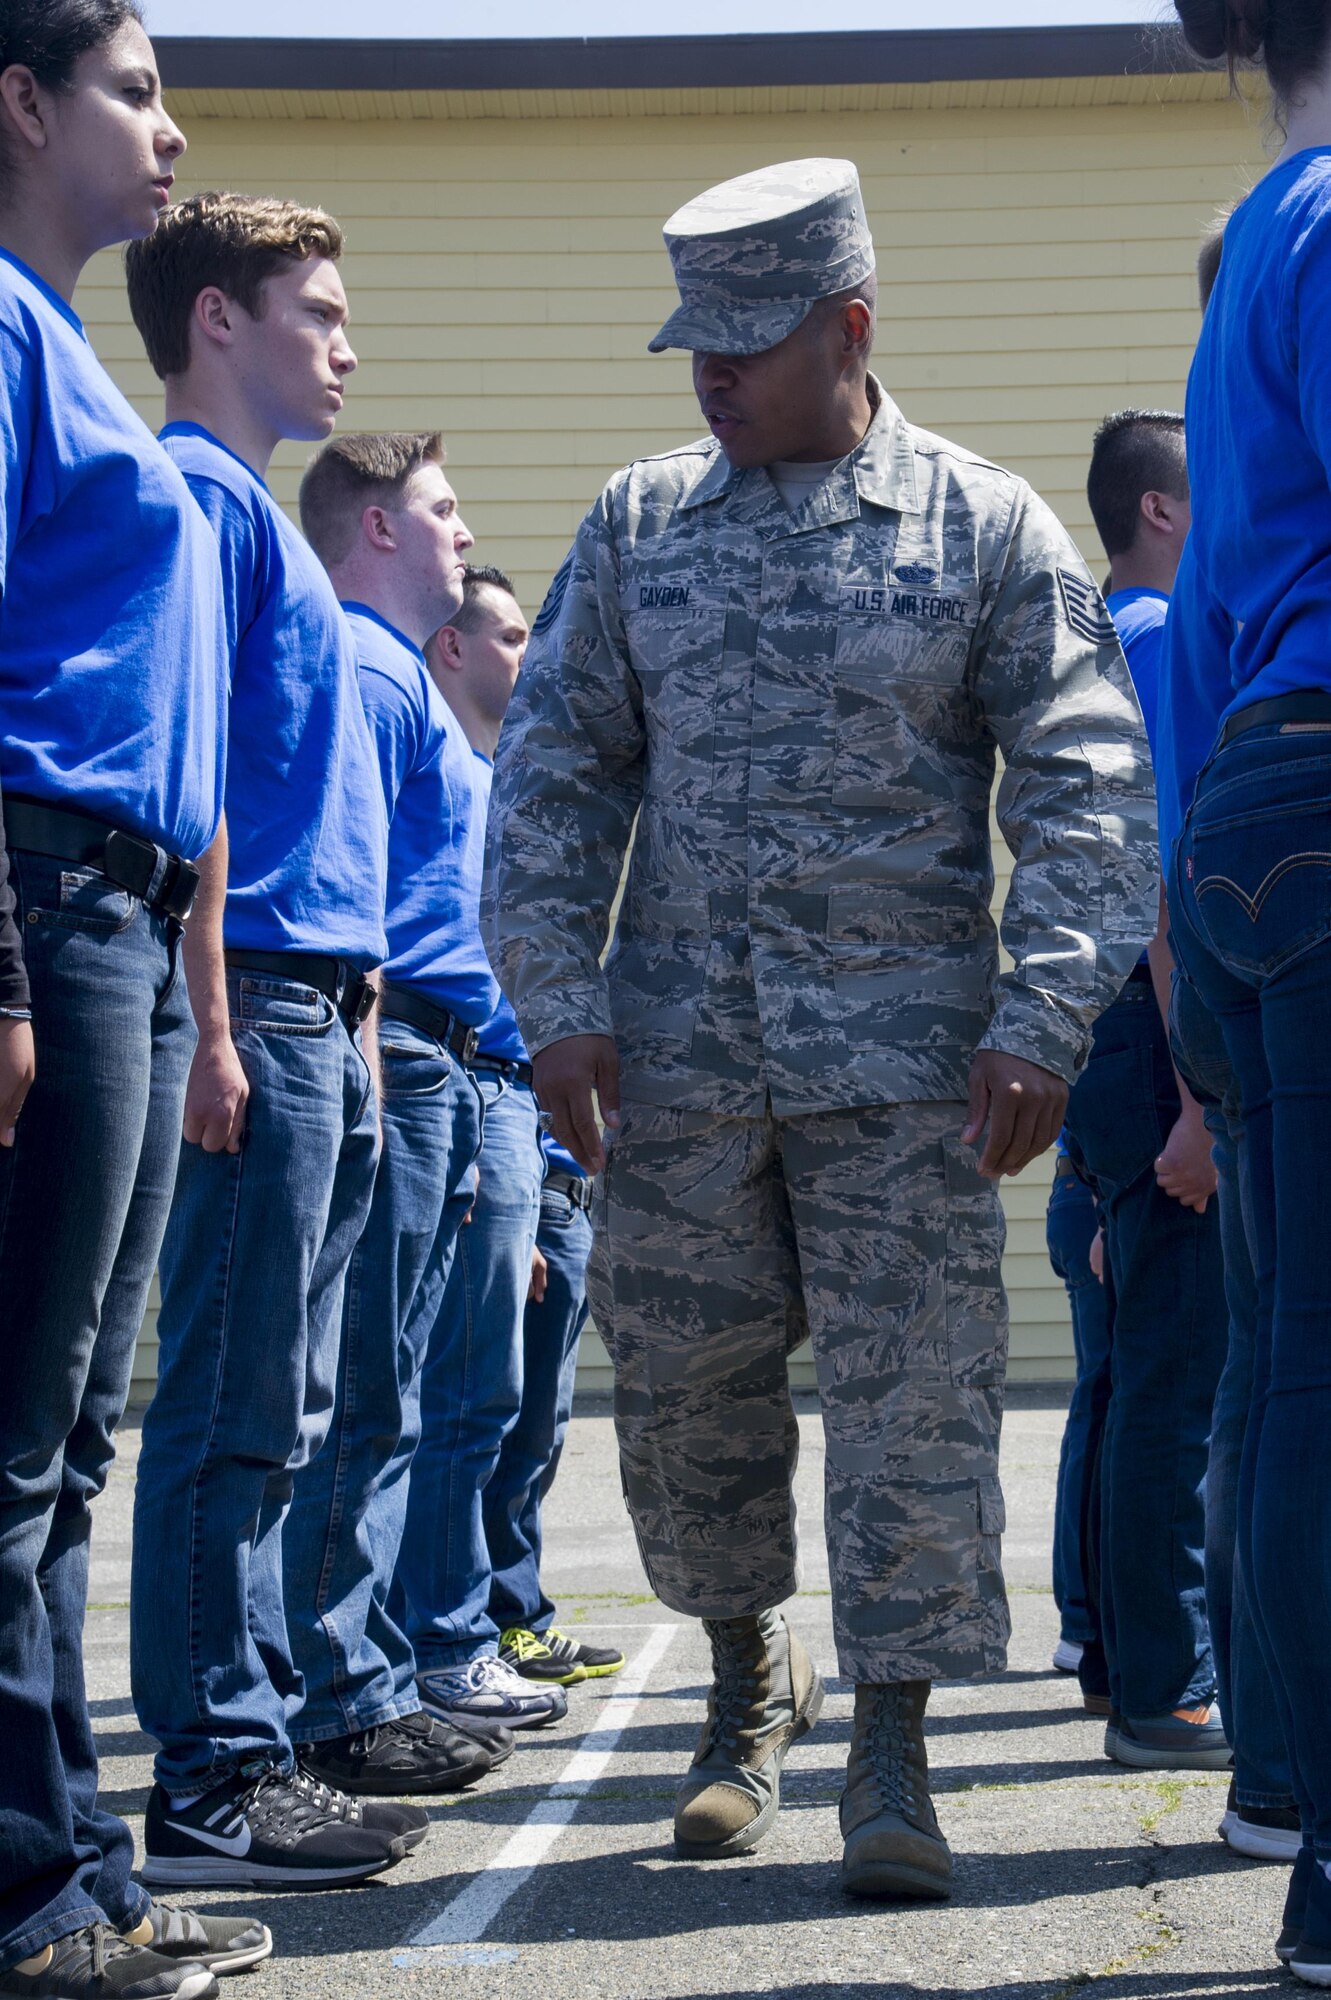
{"type": "Point", "coordinates": [447, 648]}
{"type": "Point", "coordinates": [21, 97]}
{"type": "Point", "coordinates": [1162, 513]}
{"type": "Point", "coordinates": [213, 316]}
{"type": "Point", "coordinates": [377, 529]}
{"type": "Point", "coordinates": [856, 328]}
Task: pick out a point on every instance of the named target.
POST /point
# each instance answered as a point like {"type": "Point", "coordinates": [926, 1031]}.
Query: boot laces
{"type": "Point", "coordinates": [888, 1749]}
{"type": "Point", "coordinates": [735, 1682]}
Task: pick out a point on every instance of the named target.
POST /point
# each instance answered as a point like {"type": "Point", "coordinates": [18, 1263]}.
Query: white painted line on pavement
{"type": "Point", "coordinates": [469, 1916]}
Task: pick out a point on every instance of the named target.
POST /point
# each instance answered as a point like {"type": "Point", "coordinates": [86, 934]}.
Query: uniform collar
{"type": "Point", "coordinates": [880, 470]}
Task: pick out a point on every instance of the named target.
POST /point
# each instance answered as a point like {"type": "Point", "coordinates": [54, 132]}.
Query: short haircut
{"type": "Point", "coordinates": [1135, 452]}
{"type": "Point", "coordinates": [1209, 255]}
{"type": "Point", "coordinates": [233, 241]}
{"type": "Point", "coordinates": [49, 36]}
{"type": "Point", "coordinates": [363, 469]}
{"type": "Point", "coordinates": [477, 577]}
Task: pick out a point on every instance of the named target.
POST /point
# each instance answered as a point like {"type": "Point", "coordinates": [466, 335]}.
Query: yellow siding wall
{"type": "Point", "coordinates": [505, 273]}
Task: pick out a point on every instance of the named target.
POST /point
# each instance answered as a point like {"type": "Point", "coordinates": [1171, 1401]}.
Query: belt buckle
{"type": "Point", "coordinates": [469, 1041]}
{"type": "Point", "coordinates": [357, 997]}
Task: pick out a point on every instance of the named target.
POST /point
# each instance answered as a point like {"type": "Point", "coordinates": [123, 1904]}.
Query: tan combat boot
{"type": "Point", "coordinates": [893, 1845]}
{"type": "Point", "coordinates": [765, 1695]}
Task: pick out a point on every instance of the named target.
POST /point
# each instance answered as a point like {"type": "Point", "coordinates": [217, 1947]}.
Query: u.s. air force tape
{"type": "Point", "coordinates": [1084, 608]}
{"type": "Point", "coordinates": [554, 597]}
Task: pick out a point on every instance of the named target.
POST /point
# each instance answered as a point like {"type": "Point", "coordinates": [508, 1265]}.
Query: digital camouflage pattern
{"type": "Point", "coordinates": [721, 1242]}
{"type": "Point", "coordinates": [802, 715]}
{"type": "Point", "coordinates": [754, 255]}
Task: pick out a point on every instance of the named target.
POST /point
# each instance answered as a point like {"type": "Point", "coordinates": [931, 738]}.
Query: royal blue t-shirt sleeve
{"type": "Point", "coordinates": [18, 415]}
{"type": "Point", "coordinates": [241, 542]}
{"type": "Point", "coordinates": [398, 726]}
{"type": "Point", "coordinates": [1196, 687]}
{"type": "Point", "coordinates": [1306, 322]}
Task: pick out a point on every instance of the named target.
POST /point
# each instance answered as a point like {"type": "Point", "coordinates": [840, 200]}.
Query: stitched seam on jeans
{"type": "Point", "coordinates": [1309, 858]}
{"type": "Point", "coordinates": [196, 1568]}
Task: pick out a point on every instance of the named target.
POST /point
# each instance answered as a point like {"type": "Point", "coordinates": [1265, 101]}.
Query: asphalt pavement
{"type": "Point", "coordinates": [557, 1876]}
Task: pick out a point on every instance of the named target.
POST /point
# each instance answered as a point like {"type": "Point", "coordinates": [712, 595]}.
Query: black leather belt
{"type": "Point", "coordinates": [349, 990]}
{"type": "Point", "coordinates": [1308, 705]}
{"type": "Point", "coordinates": [577, 1187]}
{"type": "Point", "coordinates": [399, 1003]}
{"type": "Point", "coordinates": [126, 859]}
{"type": "Point", "coordinates": [515, 1072]}
{"type": "Point", "coordinates": [1064, 1169]}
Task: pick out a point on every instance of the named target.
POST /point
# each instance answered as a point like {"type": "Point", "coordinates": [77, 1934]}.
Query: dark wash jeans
{"type": "Point", "coordinates": [341, 1539]}
{"type": "Point", "coordinates": [1071, 1221]}
{"type": "Point", "coordinates": [1251, 911]}
{"type": "Point", "coordinates": [84, 1196]}
{"type": "Point", "coordinates": [1170, 1329]}
{"type": "Point", "coordinates": [1247, 1698]}
{"type": "Point", "coordinates": [253, 1267]}
{"type": "Point", "coordinates": [529, 1455]}
{"type": "Point", "coordinates": [471, 1393]}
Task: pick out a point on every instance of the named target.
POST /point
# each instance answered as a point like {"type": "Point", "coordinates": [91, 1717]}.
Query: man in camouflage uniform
{"type": "Point", "coordinates": [792, 652]}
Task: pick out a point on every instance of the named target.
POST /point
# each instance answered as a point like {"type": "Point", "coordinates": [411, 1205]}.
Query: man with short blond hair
{"type": "Point", "coordinates": [242, 309]}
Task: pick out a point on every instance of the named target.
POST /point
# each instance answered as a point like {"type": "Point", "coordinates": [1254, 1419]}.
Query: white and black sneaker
{"type": "Point", "coordinates": [404, 1826]}
{"type": "Point", "coordinates": [262, 1826]}
{"type": "Point", "coordinates": [488, 1690]}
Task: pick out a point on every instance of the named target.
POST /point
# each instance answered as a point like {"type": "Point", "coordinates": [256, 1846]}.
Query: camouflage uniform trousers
{"type": "Point", "coordinates": [722, 1242]}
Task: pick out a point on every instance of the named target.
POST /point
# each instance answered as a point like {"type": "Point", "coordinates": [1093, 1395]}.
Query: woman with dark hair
{"type": "Point", "coordinates": [112, 692]}
{"type": "Point", "coordinates": [1250, 889]}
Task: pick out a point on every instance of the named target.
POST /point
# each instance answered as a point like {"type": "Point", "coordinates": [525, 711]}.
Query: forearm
{"type": "Point", "coordinates": [205, 966]}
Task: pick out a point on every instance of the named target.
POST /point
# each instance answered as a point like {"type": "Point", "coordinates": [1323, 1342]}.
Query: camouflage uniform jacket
{"type": "Point", "coordinates": [802, 712]}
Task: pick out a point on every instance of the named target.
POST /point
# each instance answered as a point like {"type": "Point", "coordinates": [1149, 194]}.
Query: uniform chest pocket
{"type": "Point", "coordinates": [913, 635]}
{"type": "Point", "coordinates": [677, 646]}
{"type": "Point", "coordinates": [900, 662]}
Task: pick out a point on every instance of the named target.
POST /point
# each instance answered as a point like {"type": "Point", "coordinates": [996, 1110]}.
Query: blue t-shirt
{"type": "Point", "coordinates": [1139, 616]}
{"type": "Point", "coordinates": [112, 645]}
{"type": "Point", "coordinates": [557, 1160]}
{"type": "Point", "coordinates": [305, 810]}
{"type": "Point", "coordinates": [436, 829]}
{"type": "Point", "coordinates": [1259, 435]}
{"type": "Point", "coordinates": [1195, 690]}
{"type": "Point", "coordinates": [500, 1038]}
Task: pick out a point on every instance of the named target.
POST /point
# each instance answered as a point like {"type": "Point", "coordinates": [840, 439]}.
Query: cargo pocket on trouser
{"type": "Point", "coordinates": [995, 1618]}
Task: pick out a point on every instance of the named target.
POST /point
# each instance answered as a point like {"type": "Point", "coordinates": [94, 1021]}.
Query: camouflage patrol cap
{"type": "Point", "coordinates": [753, 256]}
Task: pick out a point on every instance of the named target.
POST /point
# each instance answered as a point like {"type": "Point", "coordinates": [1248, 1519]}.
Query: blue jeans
{"type": "Point", "coordinates": [1070, 1225]}
{"type": "Point", "coordinates": [253, 1268]}
{"type": "Point", "coordinates": [1170, 1330]}
{"type": "Point", "coordinates": [1247, 1699]}
{"type": "Point", "coordinates": [471, 1392]}
{"type": "Point", "coordinates": [344, 1530]}
{"type": "Point", "coordinates": [1252, 929]}
{"type": "Point", "coordinates": [84, 1196]}
{"type": "Point", "coordinates": [529, 1456]}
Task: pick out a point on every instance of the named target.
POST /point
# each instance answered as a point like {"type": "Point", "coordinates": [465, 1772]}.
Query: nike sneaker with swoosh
{"type": "Point", "coordinates": [261, 1827]}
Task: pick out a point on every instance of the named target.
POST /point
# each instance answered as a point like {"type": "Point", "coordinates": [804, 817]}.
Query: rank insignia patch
{"type": "Point", "coordinates": [1084, 608]}
{"type": "Point", "coordinates": [554, 597]}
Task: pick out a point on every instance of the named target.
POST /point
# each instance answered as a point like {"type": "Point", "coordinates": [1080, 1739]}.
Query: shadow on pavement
{"type": "Point", "coordinates": [635, 1895]}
